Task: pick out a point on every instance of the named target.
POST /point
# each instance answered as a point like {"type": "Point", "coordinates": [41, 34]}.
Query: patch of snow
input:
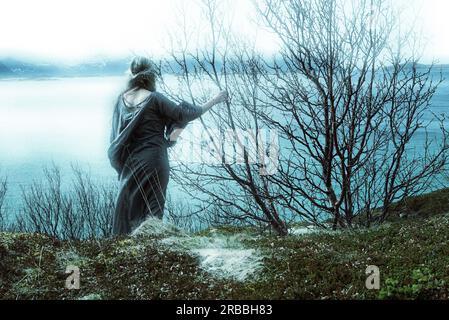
{"type": "Point", "coordinates": [223, 256]}
{"type": "Point", "coordinates": [300, 231]}
{"type": "Point", "coordinates": [156, 227]}
{"type": "Point", "coordinates": [237, 264]}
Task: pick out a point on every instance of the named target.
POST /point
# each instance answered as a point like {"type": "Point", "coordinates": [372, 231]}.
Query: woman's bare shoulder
{"type": "Point", "coordinates": [136, 97]}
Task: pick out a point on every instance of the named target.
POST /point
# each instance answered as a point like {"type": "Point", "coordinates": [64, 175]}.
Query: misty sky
{"type": "Point", "coordinates": [75, 30]}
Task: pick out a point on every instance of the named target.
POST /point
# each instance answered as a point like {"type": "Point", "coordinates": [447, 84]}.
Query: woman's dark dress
{"type": "Point", "coordinates": [138, 152]}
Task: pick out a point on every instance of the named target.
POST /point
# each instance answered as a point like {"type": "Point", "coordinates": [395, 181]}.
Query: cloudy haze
{"type": "Point", "coordinates": [75, 30]}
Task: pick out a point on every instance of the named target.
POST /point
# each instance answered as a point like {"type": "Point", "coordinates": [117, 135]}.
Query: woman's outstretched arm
{"type": "Point", "coordinates": [186, 112]}
{"type": "Point", "coordinates": [221, 97]}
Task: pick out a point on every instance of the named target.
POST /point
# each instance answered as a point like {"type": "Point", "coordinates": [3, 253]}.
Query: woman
{"type": "Point", "coordinates": [145, 124]}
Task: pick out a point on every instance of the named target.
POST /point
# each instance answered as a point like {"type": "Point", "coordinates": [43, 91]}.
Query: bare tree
{"type": "Point", "coordinates": [237, 192]}
{"type": "Point", "coordinates": [79, 209]}
{"type": "Point", "coordinates": [349, 106]}
{"type": "Point", "coordinates": [45, 205]}
{"type": "Point", "coordinates": [94, 203]}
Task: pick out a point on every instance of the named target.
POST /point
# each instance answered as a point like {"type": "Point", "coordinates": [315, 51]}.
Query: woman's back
{"type": "Point", "coordinates": [149, 133]}
{"type": "Point", "coordinates": [135, 97]}
{"type": "Point", "coordinates": [157, 113]}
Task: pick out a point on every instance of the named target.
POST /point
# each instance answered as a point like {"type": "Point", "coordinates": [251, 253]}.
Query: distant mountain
{"type": "Point", "coordinates": [4, 70]}
{"type": "Point", "coordinates": [12, 68]}
{"type": "Point", "coordinates": [17, 68]}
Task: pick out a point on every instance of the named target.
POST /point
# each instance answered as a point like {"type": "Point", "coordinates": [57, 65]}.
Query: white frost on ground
{"type": "Point", "coordinates": [223, 256]}
{"type": "Point", "coordinates": [236, 264]}
{"type": "Point", "coordinates": [156, 227]}
{"type": "Point", "coordinates": [300, 231]}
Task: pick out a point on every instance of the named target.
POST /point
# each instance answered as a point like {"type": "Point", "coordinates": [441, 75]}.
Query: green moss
{"type": "Point", "coordinates": [435, 203]}
{"type": "Point", "coordinates": [413, 257]}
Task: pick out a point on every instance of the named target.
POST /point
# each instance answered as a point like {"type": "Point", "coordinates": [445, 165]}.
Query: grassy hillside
{"type": "Point", "coordinates": [413, 257]}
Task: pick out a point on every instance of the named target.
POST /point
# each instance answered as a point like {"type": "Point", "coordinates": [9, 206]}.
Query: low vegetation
{"type": "Point", "coordinates": [412, 255]}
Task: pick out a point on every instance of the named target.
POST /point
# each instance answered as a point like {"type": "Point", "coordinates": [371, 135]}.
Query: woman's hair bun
{"type": "Point", "coordinates": [144, 73]}
{"type": "Point", "coordinates": [141, 64]}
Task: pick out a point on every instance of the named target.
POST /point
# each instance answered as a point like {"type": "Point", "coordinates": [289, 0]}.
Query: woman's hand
{"type": "Point", "coordinates": [221, 97]}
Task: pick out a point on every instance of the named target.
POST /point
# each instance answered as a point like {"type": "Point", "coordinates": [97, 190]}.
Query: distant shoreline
{"type": "Point", "coordinates": [17, 70]}
{"type": "Point", "coordinates": [55, 78]}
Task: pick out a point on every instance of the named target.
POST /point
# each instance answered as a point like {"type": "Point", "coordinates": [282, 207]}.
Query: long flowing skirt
{"type": "Point", "coordinates": [143, 185]}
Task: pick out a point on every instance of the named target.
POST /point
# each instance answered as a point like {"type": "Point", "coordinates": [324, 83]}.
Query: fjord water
{"type": "Point", "coordinates": [67, 120]}
{"type": "Point", "coordinates": [62, 121]}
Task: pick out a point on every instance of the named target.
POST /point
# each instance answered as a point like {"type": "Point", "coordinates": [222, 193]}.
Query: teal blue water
{"type": "Point", "coordinates": [68, 121]}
